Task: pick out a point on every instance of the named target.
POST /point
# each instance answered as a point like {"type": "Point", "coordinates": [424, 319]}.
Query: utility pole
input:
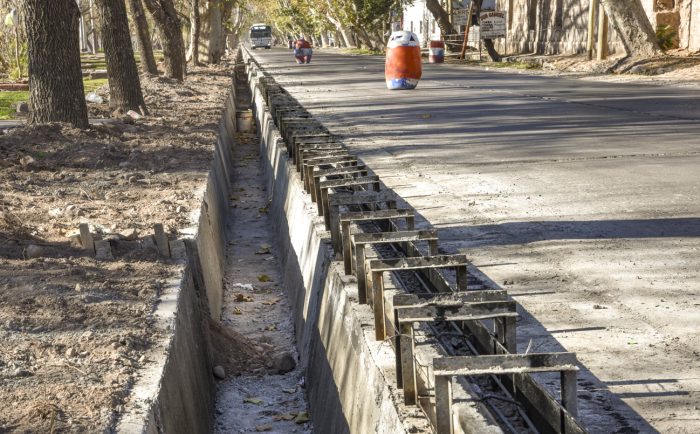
{"type": "Point", "coordinates": [592, 7]}
{"type": "Point", "coordinates": [602, 34]}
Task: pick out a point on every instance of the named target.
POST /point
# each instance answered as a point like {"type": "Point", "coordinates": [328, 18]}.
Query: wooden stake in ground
{"type": "Point", "coordinates": [124, 84]}
{"type": "Point", "coordinates": [56, 91]}
{"type": "Point", "coordinates": [466, 32]}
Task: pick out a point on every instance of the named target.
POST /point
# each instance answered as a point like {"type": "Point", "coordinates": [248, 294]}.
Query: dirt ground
{"type": "Point", "coordinates": [73, 328]}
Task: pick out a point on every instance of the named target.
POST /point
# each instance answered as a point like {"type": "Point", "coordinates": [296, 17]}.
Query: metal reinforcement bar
{"type": "Point", "coordinates": [378, 267]}
{"type": "Point", "coordinates": [359, 242]}
{"type": "Point", "coordinates": [325, 165]}
{"type": "Point", "coordinates": [464, 306]}
{"type": "Point", "coordinates": [341, 235]}
{"type": "Point", "coordinates": [517, 364]}
{"type": "Point", "coordinates": [371, 181]}
{"type": "Point", "coordinates": [313, 161]}
{"type": "Point", "coordinates": [312, 183]}
{"type": "Point", "coordinates": [304, 145]}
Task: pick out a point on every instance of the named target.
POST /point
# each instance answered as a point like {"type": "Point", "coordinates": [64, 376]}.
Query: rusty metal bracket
{"type": "Point", "coordinates": [371, 181]}
{"type": "Point", "coordinates": [359, 242]}
{"type": "Point", "coordinates": [378, 267]}
{"type": "Point", "coordinates": [381, 215]}
{"type": "Point", "coordinates": [445, 368]}
{"type": "Point", "coordinates": [461, 306]}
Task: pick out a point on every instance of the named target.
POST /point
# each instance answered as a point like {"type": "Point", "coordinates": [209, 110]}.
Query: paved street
{"type": "Point", "coordinates": [580, 197]}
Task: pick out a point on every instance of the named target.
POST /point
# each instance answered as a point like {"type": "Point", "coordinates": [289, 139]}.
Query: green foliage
{"type": "Point", "coordinates": [666, 37]}
{"type": "Point", "coordinates": [7, 98]}
{"type": "Point", "coordinates": [363, 52]}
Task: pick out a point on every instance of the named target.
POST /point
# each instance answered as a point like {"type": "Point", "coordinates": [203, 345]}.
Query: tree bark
{"type": "Point", "coordinates": [216, 31]}
{"type": "Point", "coordinates": [446, 28]}
{"type": "Point", "coordinates": [165, 16]}
{"type": "Point", "coordinates": [193, 52]}
{"type": "Point", "coordinates": [122, 72]}
{"type": "Point", "coordinates": [143, 38]}
{"type": "Point", "coordinates": [633, 27]}
{"type": "Point", "coordinates": [93, 29]}
{"type": "Point", "coordinates": [56, 91]}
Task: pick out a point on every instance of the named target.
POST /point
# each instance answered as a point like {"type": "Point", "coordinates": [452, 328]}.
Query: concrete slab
{"type": "Point", "coordinates": [579, 196]}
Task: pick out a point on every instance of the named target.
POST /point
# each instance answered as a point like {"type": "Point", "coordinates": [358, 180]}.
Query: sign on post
{"type": "Point", "coordinates": [459, 17]}
{"type": "Point", "coordinates": [492, 24]}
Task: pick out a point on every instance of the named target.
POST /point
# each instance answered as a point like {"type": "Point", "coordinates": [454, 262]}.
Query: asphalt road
{"type": "Point", "coordinates": [580, 197]}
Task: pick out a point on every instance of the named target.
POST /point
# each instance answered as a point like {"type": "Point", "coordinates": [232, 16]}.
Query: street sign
{"type": "Point", "coordinates": [493, 24]}
{"type": "Point", "coordinates": [459, 17]}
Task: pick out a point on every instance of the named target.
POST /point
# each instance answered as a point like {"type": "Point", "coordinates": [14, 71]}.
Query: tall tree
{"type": "Point", "coordinates": [56, 82]}
{"type": "Point", "coordinates": [443, 21]}
{"type": "Point", "coordinates": [193, 51]}
{"type": "Point", "coordinates": [216, 31]}
{"type": "Point", "coordinates": [143, 37]}
{"type": "Point", "coordinates": [630, 21]}
{"type": "Point", "coordinates": [122, 72]}
{"type": "Point", "coordinates": [165, 16]}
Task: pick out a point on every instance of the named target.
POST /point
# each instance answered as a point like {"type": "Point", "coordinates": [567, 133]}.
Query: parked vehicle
{"type": "Point", "coordinates": [260, 36]}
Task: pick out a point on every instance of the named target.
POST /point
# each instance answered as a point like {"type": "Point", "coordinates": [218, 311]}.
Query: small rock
{"type": "Point", "coordinates": [26, 160]}
{"type": "Point", "coordinates": [78, 288]}
{"type": "Point", "coordinates": [124, 164]}
{"type": "Point", "coordinates": [130, 234]}
{"type": "Point", "coordinates": [33, 251]}
{"type": "Point", "coordinates": [284, 362]}
{"type": "Point", "coordinates": [70, 352]}
{"type": "Point", "coordinates": [21, 373]}
{"type": "Point", "coordinates": [219, 372]}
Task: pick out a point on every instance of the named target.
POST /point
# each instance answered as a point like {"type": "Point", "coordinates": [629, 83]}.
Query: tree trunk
{"type": "Point", "coordinates": [324, 39]}
{"type": "Point", "coordinates": [143, 38]}
{"type": "Point", "coordinates": [56, 91]}
{"type": "Point", "coordinates": [193, 52]}
{"type": "Point", "coordinates": [165, 16]}
{"type": "Point", "coordinates": [488, 43]}
{"type": "Point", "coordinates": [443, 21]}
{"type": "Point", "coordinates": [633, 27]}
{"type": "Point", "coordinates": [441, 17]}
{"type": "Point", "coordinates": [93, 29]}
{"type": "Point", "coordinates": [364, 38]}
{"type": "Point", "coordinates": [122, 72]}
{"type": "Point", "coordinates": [216, 30]}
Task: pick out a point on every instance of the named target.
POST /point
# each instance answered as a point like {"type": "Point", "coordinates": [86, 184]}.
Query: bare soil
{"type": "Point", "coordinates": [73, 328]}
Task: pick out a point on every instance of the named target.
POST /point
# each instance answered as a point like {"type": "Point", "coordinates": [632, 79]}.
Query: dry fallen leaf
{"type": "Point", "coordinates": [256, 401]}
{"type": "Point", "coordinates": [264, 249]}
{"type": "Point", "coordinates": [264, 278]}
{"type": "Point", "coordinates": [302, 417]}
{"type": "Point", "coordinates": [261, 428]}
{"type": "Point", "coordinates": [243, 297]}
{"type": "Point", "coordinates": [271, 302]}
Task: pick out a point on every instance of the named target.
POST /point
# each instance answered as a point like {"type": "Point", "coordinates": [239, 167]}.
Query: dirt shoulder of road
{"type": "Point", "coordinates": [676, 68]}
{"type": "Point", "coordinates": [74, 328]}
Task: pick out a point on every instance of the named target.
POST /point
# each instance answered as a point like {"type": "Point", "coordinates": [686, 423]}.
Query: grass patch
{"type": "Point", "coordinates": [94, 84]}
{"type": "Point", "coordinates": [362, 52]}
{"type": "Point", "coordinates": [7, 98]}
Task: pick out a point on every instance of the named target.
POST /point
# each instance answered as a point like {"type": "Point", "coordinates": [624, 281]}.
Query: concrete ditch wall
{"type": "Point", "coordinates": [350, 376]}
{"type": "Point", "coordinates": [346, 389]}
{"type": "Point", "coordinates": [175, 394]}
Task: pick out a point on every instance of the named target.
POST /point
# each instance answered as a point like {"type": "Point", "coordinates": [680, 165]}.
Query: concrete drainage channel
{"type": "Point", "coordinates": [382, 326]}
{"type": "Point", "coordinates": [390, 330]}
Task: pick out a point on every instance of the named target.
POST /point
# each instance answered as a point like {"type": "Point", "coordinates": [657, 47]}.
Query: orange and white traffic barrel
{"type": "Point", "coordinates": [437, 52]}
{"type": "Point", "coordinates": [403, 63]}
